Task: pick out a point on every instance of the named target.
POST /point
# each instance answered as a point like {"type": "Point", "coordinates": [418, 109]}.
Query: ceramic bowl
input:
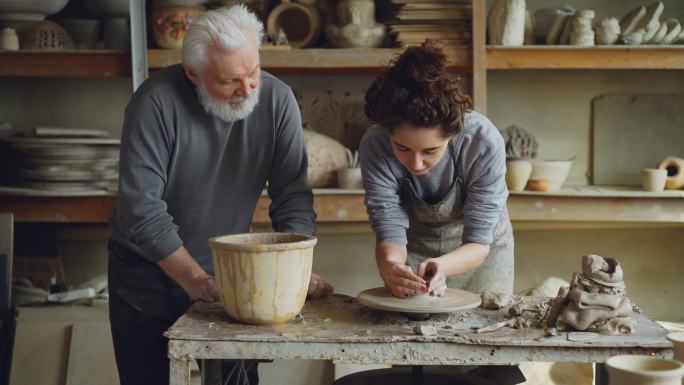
{"type": "Point", "coordinates": [640, 369]}
{"type": "Point", "coordinates": [677, 339]}
{"type": "Point", "coordinates": [653, 179]}
{"type": "Point", "coordinates": [170, 23]}
{"type": "Point", "coordinates": [548, 175]}
{"type": "Point", "coordinates": [349, 178]}
{"type": "Point", "coordinates": [264, 277]}
{"type": "Point", "coordinates": [30, 10]}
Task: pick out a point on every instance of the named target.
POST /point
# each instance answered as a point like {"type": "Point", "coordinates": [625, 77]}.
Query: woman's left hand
{"type": "Point", "coordinates": [432, 271]}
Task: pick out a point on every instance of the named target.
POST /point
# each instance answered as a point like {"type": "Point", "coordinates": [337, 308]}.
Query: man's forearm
{"type": "Point", "coordinates": [182, 267]}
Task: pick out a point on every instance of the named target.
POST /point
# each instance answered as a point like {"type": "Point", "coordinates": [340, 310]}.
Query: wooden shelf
{"type": "Point", "coordinates": [583, 204]}
{"type": "Point", "coordinates": [600, 57]}
{"type": "Point", "coordinates": [79, 63]}
{"type": "Point", "coordinates": [319, 60]}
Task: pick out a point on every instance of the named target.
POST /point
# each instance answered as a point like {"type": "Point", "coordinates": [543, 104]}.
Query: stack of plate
{"type": "Point", "coordinates": [448, 21]}
{"type": "Point", "coordinates": [68, 159]}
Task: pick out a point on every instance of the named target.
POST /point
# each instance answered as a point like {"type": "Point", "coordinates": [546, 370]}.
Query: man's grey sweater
{"type": "Point", "coordinates": [477, 155]}
{"type": "Point", "coordinates": [186, 175]}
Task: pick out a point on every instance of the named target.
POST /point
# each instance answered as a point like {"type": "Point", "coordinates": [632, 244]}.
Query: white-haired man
{"type": "Point", "coordinates": [200, 140]}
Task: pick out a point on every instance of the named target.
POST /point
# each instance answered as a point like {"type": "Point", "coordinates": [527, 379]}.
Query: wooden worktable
{"type": "Point", "coordinates": [338, 328]}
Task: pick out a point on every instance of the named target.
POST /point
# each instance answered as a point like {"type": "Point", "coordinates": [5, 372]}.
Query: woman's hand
{"type": "Point", "coordinates": [400, 280]}
{"type": "Point", "coordinates": [432, 271]}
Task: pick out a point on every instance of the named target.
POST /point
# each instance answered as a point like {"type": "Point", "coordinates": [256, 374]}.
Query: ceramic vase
{"type": "Point", "coordinates": [349, 178]}
{"type": "Point", "coordinates": [9, 39]}
{"type": "Point", "coordinates": [264, 277]}
{"type": "Point", "coordinates": [675, 172]}
{"type": "Point", "coordinates": [653, 179]}
{"type": "Point", "coordinates": [517, 173]}
{"type": "Point", "coordinates": [677, 339]}
{"type": "Point", "coordinates": [170, 23]}
{"type": "Point", "coordinates": [643, 370]}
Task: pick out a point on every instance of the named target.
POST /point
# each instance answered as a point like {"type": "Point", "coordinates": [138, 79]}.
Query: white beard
{"type": "Point", "coordinates": [230, 110]}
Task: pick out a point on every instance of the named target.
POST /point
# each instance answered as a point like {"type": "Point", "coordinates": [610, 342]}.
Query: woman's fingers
{"type": "Point", "coordinates": [405, 272]}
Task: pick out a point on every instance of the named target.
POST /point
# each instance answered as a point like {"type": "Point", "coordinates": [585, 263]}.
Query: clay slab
{"type": "Point", "coordinates": [452, 300]}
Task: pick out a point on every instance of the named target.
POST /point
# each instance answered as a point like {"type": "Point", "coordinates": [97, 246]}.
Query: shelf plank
{"type": "Point", "coordinates": [573, 205]}
{"type": "Point", "coordinates": [79, 63]}
{"type": "Point", "coordinates": [321, 60]}
{"type": "Point", "coordinates": [599, 57]}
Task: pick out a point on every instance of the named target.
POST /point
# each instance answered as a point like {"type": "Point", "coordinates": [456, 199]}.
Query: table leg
{"type": "Point", "coordinates": [179, 371]}
{"type": "Point", "coordinates": [600, 374]}
{"type": "Point", "coordinates": [211, 372]}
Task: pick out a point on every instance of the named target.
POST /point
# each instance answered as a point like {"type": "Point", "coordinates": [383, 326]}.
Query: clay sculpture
{"type": "Point", "coordinates": [595, 301]}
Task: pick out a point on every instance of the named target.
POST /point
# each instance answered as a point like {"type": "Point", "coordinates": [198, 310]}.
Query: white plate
{"type": "Point", "coordinates": [452, 300]}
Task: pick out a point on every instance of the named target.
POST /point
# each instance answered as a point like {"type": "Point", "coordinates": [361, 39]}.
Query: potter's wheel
{"type": "Point", "coordinates": [453, 300]}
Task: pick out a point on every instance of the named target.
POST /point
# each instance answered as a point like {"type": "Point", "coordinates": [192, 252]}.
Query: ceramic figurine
{"type": "Point", "coordinates": [356, 25]}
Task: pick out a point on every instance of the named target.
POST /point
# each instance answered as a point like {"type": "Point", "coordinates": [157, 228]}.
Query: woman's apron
{"type": "Point", "coordinates": [437, 229]}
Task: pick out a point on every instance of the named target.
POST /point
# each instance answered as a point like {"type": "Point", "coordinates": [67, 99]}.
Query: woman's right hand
{"type": "Point", "coordinates": [401, 280]}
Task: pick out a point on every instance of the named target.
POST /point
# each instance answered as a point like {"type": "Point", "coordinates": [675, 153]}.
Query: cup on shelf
{"type": "Point", "coordinates": [653, 179]}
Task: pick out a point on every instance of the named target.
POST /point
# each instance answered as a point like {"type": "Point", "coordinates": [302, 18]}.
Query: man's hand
{"type": "Point", "coordinates": [204, 289]}
{"type": "Point", "coordinates": [318, 288]}
{"type": "Point", "coordinates": [432, 271]}
{"type": "Point", "coordinates": [400, 280]}
{"type": "Point", "coordinates": [183, 269]}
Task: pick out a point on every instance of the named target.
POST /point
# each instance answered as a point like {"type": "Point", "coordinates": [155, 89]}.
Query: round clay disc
{"type": "Point", "coordinates": [452, 300]}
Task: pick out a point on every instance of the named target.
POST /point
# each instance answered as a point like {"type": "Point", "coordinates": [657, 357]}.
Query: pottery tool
{"type": "Point", "coordinates": [453, 300]}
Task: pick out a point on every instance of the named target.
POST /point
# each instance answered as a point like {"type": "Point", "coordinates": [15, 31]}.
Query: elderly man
{"type": "Point", "coordinates": [200, 140]}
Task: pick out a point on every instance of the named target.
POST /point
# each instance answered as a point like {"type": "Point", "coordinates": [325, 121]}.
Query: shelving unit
{"type": "Point", "coordinates": [80, 63]}
{"type": "Point", "coordinates": [589, 58]}
{"type": "Point", "coordinates": [610, 206]}
{"type": "Point", "coordinates": [319, 60]}
{"type": "Point", "coordinates": [585, 204]}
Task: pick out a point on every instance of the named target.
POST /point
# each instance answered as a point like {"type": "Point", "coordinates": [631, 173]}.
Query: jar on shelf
{"type": "Point", "coordinates": [171, 20]}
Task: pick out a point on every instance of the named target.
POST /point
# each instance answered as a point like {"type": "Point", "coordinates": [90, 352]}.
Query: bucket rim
{"type": "Point", "coordinates": [306, 241]}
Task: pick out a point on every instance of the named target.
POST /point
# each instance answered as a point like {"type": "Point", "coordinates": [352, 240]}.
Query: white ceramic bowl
{"type": "Point", "coordinates": [30, 10]}
{"type": "Point", "coordinates": [549, 175]}
{"type": "Point", "coordinates": [632, 369]}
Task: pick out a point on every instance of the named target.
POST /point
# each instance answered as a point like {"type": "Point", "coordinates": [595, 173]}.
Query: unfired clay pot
{"type": "Point", "coordinates": [677, 339]}
{"type": "Point", "coordinates": [263, 277]}
{"type": "Point", "coordinates": [517, 173]}
{"type": "Point", "coordinates": [653, 179]}
{"type": "Point", "coordinates": [643, 370]}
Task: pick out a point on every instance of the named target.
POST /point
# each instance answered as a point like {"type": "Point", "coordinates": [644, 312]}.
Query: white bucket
{"type": "Point", "coordinates": [263, 277]}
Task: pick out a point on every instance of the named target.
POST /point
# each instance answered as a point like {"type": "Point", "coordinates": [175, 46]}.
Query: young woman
{"type": "Point", "coordinates": [433, 171]}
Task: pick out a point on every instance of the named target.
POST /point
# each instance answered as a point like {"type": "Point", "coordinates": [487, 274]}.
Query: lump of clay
{"type": "Point", "coordinates": [326, 155]}
{"type": "Point", "coordinates": [506, 23]}
{"type": "Point", "coordinates": [606, 271]}
{"type": "Point", "coordinates": [494, 301]}
{"type": "Point", "coordinates": [595, 301]}
{"type": "Point", "coordinates": [425, 330]}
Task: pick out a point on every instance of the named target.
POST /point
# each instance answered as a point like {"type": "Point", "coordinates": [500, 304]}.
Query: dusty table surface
{"type": "Point", "coordinates": [341, 329]}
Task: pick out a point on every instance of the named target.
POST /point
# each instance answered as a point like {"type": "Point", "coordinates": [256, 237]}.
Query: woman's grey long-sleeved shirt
{"type": "Point", "coordinates": [186, 175]}
{"type": "Point", "coordinates": [477, 155]}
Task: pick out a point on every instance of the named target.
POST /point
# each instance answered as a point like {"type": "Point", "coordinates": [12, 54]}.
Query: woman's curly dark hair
{"type": "Point", "coordinates": [417, 90]}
